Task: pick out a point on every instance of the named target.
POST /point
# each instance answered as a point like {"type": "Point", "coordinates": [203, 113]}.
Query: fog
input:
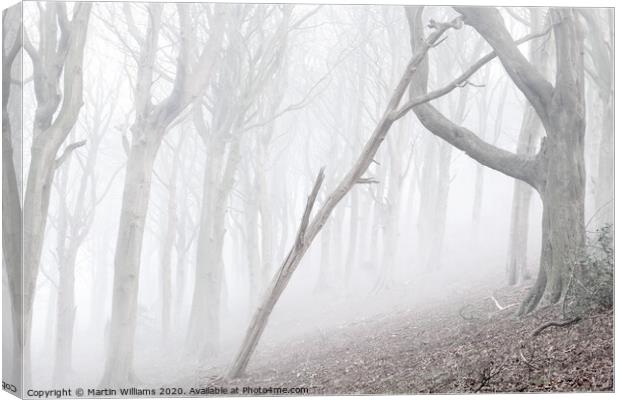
{"type": "Point", "coordinates": [238, 107]}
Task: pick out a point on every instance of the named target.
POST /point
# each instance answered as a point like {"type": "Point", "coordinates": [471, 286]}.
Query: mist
{"type": "Point", "coordinates": [177, 195]}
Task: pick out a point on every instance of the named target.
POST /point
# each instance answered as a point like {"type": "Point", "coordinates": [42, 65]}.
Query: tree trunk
{"type": "Point", "coordinates": [252, 248]}
{"type": "Point", "coordinates": [65, 319]}
{"type": "Point", "coordinates": [204, 326]}
{"type": "Point", "coordinates": [352, 250]}
{"type": "Point", "coordinates": [428, 191]}
{"type": "Point", "coordinates": [168, 239]}
{"type": "Point", "coordinates": [325, 268]}
{"type": "Point", "coordinates": [136, 193]}
{"type": "Point", "coordinates": [531, 129]}
{"type": "Point", "coordinates": [605, 179]}
{"type": "Point", "coordinates": [563, 197]}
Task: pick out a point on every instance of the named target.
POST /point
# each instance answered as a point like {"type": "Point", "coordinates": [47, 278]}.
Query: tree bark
{"type": "Point", "coordinates": [49, 133]}
{"type": "Point", "coordinates": [136, 193]}
{"type": "Point", "coordinates": [529, 135]}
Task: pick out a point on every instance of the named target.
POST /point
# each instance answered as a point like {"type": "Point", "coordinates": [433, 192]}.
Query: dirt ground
{"type": "Point", "coordinates": [444, 348]}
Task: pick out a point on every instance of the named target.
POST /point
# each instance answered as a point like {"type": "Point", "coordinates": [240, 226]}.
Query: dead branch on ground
{"type": "Point", "coordinates": [546, 325]}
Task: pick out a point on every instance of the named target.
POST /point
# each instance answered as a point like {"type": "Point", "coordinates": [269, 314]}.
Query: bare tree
{"type": "Point", "coordinates": [75, 218]}
{"type": "Point", "coordinates": [232, 105]}
{"type": "Point", "coordinates": [193, 72]}
{"type": "Point", "coordinates": [59, 54]}
{"type": "Point", "coordinates": [529, 136]}
{"type": "Point", "coordinates": [557, 170]}
{"type": "Point", "coordinates": [600, 44]}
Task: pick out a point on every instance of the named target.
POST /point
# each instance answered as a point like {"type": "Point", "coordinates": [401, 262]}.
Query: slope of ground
{"type": "Point", "coordinates": [445, 348]}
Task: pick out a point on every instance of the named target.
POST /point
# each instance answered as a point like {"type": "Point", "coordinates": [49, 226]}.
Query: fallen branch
{"type": "Point", "coordinates": [544, 326]}
{"type": "Point", "coordinates": [366, 181]}
{"type": "Point", "coordinates": [499, 306]}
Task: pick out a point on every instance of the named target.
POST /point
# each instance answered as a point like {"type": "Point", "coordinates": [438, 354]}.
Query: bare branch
{"type": "Point", "coordinates": [67, 152]}
{"type": "Point", "coordinates": [488, 22]}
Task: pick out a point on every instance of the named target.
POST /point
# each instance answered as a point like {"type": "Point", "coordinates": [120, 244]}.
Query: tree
{"type": "Point", "coordinates": [75, 218]}
{"type": "Point", "coordinates": [557, 170]}
{"type": "Point", "coordinates": [59, 54]}
{"type": "Point", "coordinates": [235, 95]}
{"type": "Point", "coordinates": [11, 199]}
{"type": "Point", "coordinates": [152, 119]}
{"type": "Point", "coordinates": [529, 135]}
{"type": "Point", "coordinates": [599, 50]}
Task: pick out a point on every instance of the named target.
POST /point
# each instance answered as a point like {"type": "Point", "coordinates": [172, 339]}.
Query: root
{"type": "Point", "coordinates": [533, 297]}
{"type": "Point", "coordinates": [544, 326]}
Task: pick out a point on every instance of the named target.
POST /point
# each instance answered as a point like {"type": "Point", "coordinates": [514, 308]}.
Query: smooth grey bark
{"type": "Point", "coordinates": [529, 136]}
{"type": "Point", "coordinates": [557, 171]}
{"type": "Point", "coordinates": [60, 54]}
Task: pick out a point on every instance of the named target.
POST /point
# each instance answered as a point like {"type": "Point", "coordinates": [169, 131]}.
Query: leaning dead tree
{"type": "Point", "coordinates": [557, 169]}
{"type": "Point", "coordinates": [309, 230]}
{"type": "Point", "coordinates": [57, 75]}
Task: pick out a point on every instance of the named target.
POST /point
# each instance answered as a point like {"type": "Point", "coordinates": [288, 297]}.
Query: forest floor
{"type": "Point", "coordinates": [444, 348]}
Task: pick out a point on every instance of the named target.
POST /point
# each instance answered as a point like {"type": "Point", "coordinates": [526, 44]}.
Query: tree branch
{"type": "Point", "coordinates": [457, 82]}
{"type": "Point", "coordinates": [67, 152]}
{"type": "Point", "coordinates": [489, 24]}
{"type": "Point", "coordinates": [516, 166]}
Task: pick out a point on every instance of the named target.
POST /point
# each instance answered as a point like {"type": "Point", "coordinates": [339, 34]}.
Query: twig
{"type": "Point", "coordinates": [366, 181]}
{"type": "Point", "coordinates": [67, 152]}
{"type": "Point", "coordinates": [488, 374]}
